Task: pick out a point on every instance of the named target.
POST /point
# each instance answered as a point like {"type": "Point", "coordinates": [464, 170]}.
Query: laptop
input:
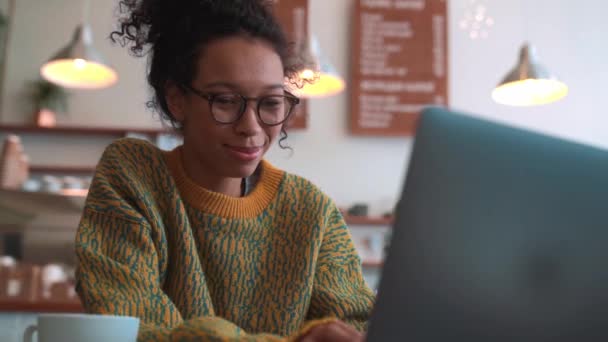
{"type": "Point", "coordinates": [501, 234]}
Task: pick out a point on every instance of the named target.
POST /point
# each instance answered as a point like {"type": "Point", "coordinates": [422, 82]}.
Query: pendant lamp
{"type": "Point", "coordinates": [78, 64]}
{"type": "Point", "coordinates": [323, 78]}
{"type": "Point", "coordinates": [529, 83]}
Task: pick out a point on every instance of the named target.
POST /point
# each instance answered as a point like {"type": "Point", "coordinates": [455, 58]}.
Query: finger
{"type": "Point", "coordinates": [322, 333]}
{"type": "Point", "coordinates": [344, 325]}
{"type": "Point", "coordinates": [339, 332]}
{"type": "Point", "coordinates": [352, 333]}
{"type": "Point", "coordinates": [316, 334]}
{"type": "Point", "coordinates": [348, 328]}
{"type": "Point", "coordinates": [334, 331]}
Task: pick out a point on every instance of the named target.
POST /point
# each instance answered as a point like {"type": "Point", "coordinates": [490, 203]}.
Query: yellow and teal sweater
{"type": "Point", "coordinates": [198, 265]}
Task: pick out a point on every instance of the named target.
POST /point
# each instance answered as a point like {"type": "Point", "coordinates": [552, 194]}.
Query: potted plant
{"type": "Point", "coordinates": [48, 100]}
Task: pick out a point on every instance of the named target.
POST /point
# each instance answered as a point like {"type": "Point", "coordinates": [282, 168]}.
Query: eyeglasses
{"type": "Point", "coordinates": [227, 108]}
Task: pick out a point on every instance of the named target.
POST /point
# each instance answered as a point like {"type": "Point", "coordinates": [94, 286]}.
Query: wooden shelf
{"type": "Point", "coordinates": [368, 220]}
{"type": "Point", "coordinates": [25, 206]}
{"type": "Point", "coordinates": [372, 264]}
{"type": "Point", "coordinates": [117, 132]}
{"type": "Point", "coordinates": [82, 130]}
{"type": "Point", "coordinates": [11, 305]}
{"type": "Point", "coordinates": [52, 169]}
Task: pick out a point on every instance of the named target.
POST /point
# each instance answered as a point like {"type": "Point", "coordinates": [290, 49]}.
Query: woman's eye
{"type": "Point", "coordinates": [271, 103]}
{"type": "Point", "coordinates": [226, 99]}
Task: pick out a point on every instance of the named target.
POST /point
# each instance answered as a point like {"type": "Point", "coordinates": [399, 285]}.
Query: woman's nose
{"type": "Point", "coordinates": [249, 123]}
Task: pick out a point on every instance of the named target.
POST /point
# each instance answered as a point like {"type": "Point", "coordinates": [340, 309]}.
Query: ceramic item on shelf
{"type": "Point", "coordinates": [62, 292]}
{"type": "Point", "coordinates": [389, 214]}
{"type": "Point", "coordinates": [51, 274]}
{"type": "Point", "coordinates": [86, 182]}
{"type": "Point", "coordinates": [373, 245]}
{"type": "Point", "coordinates": [45, 118]}
{"type": "Point", "coordinates": [7, 261]}
{"type": "Point", "coordinates": [31, 185]}
{"type": "Point", "coordinates": [13, 164]}
{"type": "Point", "coordinates": [48, 99]}
{"type": "Point", "coordinates": [22, 282]}
{"type": "Point", "coordinates": [51, 184]}
{"type": "Point", "coordinates": [72, 183]}
{"type": "Point", "coordinates": [359, 209]}
{"type": "Point", "coordinates": [7, 264]}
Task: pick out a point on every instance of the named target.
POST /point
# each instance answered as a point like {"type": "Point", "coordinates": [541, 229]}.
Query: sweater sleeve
{"type": "Point", "coordinates": [339, 289]}
{"type": "Point", "coordinates": [118, 275]}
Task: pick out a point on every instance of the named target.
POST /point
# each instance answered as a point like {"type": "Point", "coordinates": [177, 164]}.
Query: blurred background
{"type": "Point", "coordinates": [465, 48]}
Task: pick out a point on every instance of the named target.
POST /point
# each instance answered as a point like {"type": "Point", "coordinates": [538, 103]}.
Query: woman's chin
{"type": "Point", "coordinates": [244, 170]}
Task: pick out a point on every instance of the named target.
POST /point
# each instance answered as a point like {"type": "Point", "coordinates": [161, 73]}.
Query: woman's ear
{"type": "Point", "coordinates": [176, 101]}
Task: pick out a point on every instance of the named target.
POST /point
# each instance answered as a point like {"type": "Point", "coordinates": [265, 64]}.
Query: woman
{"type": "Point", "coordinates": [209, 241]}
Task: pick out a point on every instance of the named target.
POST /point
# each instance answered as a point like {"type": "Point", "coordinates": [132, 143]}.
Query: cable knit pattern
{"type": "Point", "coordinates": [196, 265]}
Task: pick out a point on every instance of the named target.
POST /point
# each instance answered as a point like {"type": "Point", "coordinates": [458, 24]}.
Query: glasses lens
{"type": "Point", "coordinates": [274, 109]}
{"type": "Point", "coordinates": [226, 107]}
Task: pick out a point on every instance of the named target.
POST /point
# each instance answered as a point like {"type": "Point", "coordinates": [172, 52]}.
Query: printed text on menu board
{"type": "Point", "coordinates": [399, 64]}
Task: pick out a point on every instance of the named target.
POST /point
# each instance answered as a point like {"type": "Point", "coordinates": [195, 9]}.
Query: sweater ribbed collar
{"type": "Point", "coordinates": [219, 204]}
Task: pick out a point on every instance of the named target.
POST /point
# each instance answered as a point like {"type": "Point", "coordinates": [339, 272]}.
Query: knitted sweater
{"type": "Point", "coordinates": [198, 265]}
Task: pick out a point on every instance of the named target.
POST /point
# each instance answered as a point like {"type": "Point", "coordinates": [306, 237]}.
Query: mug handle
{"type": "Point", "coordinates": [29, 333]}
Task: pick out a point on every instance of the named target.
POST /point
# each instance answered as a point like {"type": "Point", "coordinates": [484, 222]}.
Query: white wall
{"type": "Point", "coordinates": [569, 35]}
{"type": "Point", "coordinates": [570, 39]}
{"type": "Point", "coordinates": [40, 29]}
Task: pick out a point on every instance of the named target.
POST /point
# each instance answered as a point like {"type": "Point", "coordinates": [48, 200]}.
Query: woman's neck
{"type": "Point", "coordinates": [207, 179]}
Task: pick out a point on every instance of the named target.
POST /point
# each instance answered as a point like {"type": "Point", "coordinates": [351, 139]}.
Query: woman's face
{"type": "Point", "coordinates": [238, 66]}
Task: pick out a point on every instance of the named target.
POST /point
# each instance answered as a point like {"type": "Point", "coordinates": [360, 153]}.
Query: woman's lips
{"type": "Point", "coordinates": [245, 153]}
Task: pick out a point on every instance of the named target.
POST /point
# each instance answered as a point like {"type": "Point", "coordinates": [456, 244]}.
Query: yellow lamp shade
{"type": "Point", "coordinates": [529, 83]}
{"type": "Point", "coordinates": [78, 73]}
{"type": "Point", "coordinates": [79, 65]}
{"type": "Point", "coordinates": [320, 77]}
{"type": "Point", "coordinates": [323, 84]}
{"type": "Point", "coordinates": [530, 92]}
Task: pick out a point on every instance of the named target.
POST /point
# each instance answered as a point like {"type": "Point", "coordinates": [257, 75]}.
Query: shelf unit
{"type": "Point", "coordinates": [113, 132]}
{"type": "Point", "coordinates": [62, 169]}
{"type": "Point", "coordinates": [372, 264]}
{"type": "Point", "coordinates": [82, 130]}
{"type": "Point", "coordinates": [368, 220]}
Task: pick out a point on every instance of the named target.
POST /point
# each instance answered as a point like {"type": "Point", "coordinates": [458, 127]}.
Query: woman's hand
{"type": "Point", "coordinates": [333, 332]}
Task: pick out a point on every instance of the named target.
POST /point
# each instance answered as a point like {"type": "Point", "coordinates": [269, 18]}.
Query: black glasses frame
{"type": "Point", "coordinates": [210, 97]}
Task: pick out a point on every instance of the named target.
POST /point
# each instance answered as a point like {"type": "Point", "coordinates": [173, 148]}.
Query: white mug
{"type": "Point", "coordinates": [83, 327]}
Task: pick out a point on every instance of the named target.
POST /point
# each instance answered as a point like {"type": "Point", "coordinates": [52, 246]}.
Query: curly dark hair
{"type": "Point", "coordinates": [172, 33]}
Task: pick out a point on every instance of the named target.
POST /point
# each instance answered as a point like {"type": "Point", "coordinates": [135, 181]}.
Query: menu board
{"type": "Point", "coordinates": [399, 64]}
{"type": "Point", "coordinates": [293, 16]}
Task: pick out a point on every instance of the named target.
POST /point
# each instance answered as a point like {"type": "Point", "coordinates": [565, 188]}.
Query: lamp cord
{"type": "Point", "coordinates": [524, 18]}
{"type": "Point", "coordinates": [85, 11]}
